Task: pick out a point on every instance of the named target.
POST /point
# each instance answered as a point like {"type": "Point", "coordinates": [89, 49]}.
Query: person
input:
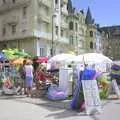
{"type": "Point", "coordinates": [41, 76]}
{"type": "Point", "coordinates": [22, 76]}
{"type": "Point", "coordinates": [29, 77]}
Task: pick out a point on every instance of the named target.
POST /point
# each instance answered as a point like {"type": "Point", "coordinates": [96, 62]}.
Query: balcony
{"type": "Point", "coordinates": [45, 2]}
{"type": "Point", "coordinates": [64, 40]}
{"type": "Point", "coordinates": [8, 6]}
{"type": "Point", "coordinates": [43, 17]}
{"type": "Point", "coordinates": [43, 35]}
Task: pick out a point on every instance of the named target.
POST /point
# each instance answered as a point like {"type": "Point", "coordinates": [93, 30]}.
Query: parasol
{"type": "Point", "coordinates": [20, 61]}
{"type": "Point", "coordinates": [42, 60]}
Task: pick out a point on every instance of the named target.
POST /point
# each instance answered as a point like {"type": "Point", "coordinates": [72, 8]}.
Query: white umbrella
{"type": "Point", "coordinates": [90, 58]}
{"type": "Point", "coordinates": [96, 58]}
{"type": "Point", "coordinates": [60, 57]}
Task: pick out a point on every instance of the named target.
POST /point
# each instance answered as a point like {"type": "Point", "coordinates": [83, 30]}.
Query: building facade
{"type": "Point", "coordinates": [113, 41]}
{"type": "Point", "coordinates": [27, 24]}
{"type": "Point", "coordinates": [47, 27]}
{"type": "Point", "coordinates": [77, 32]}
{"type": "Point", "coordinates": [98, 41]}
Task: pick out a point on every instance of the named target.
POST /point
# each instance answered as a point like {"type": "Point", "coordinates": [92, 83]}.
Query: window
{"type": "Point", "coordinates": [4, 1]}
{"type": "Point", "coordinates": [91, 33]}
{"type": "Point", "coordinates": [91, 45]}
{"type": "Point", "coordinates": [13, 1]}
{"type": "Point", "coordinates": [71, 25]}
{"type": "Point", "coordinates": [13, 29]}
{"type": "Point", "coordinates": [56, 1]}
{"type": "Point", "coordinates": [56, 30]}
{"type": "Point", "coordinates": [4, 31]}
{"type": "Point", "coordinates": [41, 52]}
{"type": "Point", "coordinates": [71, 40]}
{"type": "Point", "coordinates": [62, 33]}
{"type": "Point", "coordinates": [76, 27]}
{"type": "Point", "coordinates": [24, 11]}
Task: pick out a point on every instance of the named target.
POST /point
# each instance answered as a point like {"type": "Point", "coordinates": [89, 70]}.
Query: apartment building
{"type": "Point", "coordinates": [27, 24]}
{"type": "Point", "coordinates": [91, 33]}
{"type": "Point", "coordinates": [77, 32]}
{"type": "Point", "coordinates": [60, 26]}
{"type": "Point", "coordinates": [112, 49]}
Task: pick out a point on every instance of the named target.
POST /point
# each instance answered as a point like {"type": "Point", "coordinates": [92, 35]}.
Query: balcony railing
{"type": "Point", "coordinates": [8, 6]}
{"type": "Point", "coordinates": [64, 40]}
{"type": "Point", "coordinates": [45, 2]}
{"type": "Point", "coordinates": [44, 35]}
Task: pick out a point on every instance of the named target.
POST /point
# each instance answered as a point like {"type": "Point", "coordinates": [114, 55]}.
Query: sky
{"type": "Point", "coordinates": [105, 12]}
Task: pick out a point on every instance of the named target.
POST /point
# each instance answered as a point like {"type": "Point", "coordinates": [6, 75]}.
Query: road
{"type": "Point", "coordinates": [22, 108]}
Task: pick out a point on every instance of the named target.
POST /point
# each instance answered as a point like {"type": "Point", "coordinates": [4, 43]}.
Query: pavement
{"type": "Point", "coordinates": [24, 108]}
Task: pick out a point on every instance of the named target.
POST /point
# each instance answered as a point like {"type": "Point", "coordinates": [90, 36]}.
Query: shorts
{"type": "Point", "coordinates": [29, 81]}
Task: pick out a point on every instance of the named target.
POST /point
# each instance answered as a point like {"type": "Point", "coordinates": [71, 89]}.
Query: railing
{"type": "Point", "coordinates": [8, 6]}
{"type": "Point", "coordinates": [64, 40]}
{"type": "Point", "coordinates": [45, 35]}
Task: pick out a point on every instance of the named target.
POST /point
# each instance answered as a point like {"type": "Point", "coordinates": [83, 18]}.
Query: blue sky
{"type": "Point", "coordinates": [105, 12]}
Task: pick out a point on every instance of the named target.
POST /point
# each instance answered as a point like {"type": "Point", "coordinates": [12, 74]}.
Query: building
{"type": "Point", "coordinates": [60, 26]}
{"type": "Point", "coordinates": [27, 24]}
{"type": "Point", "coordinates": [104, 43]}
{"type": "Point", "coordinates": [98, 41]}
{"type": "Point", "coordinates": [77, 32]}
{"type": "Point", "coordinates": [91, 33]}
{"type": "Point", "coordinates": [113, 41]}
{"type": "Point", "coordinates": [77, 29]}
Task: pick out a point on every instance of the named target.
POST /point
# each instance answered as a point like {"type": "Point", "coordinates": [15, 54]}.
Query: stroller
{"type": "Point", "coordinates": [9, 81]}
{"type": "Point", "coordinates": [8, 88]}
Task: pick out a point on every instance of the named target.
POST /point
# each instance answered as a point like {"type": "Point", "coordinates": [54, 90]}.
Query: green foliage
{"type": "Point", "coordinates": [104, 93]}
{"type": "Point", "coordinates": [15, 53]}
{"type": "Point", "coordinates": [1, 83]}
{"type": "Point", "coordinates": [104, 86]}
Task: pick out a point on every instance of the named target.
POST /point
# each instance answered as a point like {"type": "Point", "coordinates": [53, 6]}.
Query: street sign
{"type": "Point", "coordinates": [91, 96]}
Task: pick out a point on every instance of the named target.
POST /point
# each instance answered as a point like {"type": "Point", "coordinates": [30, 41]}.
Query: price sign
{"type": "Point", "coordinates": [91, 96]}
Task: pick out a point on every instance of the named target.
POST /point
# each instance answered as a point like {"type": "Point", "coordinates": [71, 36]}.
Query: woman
{"type": "Point", "coordinates": [29, 77]}
{"type": "Point", "coordinates": [22, 75]}
{"type": "Point", "coordinates": [41, 76]}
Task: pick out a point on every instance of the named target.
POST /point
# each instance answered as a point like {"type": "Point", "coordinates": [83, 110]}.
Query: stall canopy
{"type": "Point", "coordinates": [42, 59]}
{"type": "Point", "coordinates": [2, 57]}
{"type": "Point", "coordinates": [15, 53]}
{"type": "Point", "coordinates": [60, 57]}
{"type": "Point", "coordinates": [90, 58]}
{"type": "Point", "coordinates": [20, 61]}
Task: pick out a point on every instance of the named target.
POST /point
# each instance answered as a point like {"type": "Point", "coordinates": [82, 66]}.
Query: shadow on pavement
{"type": "Point", "coordinates": [59, 109]}
{"type": "Point", "coordinates": [65, 114]}
{"type": "Point", "coordinates": [8, 97]}
{"type": "Point", "coordinates": [94, 117]}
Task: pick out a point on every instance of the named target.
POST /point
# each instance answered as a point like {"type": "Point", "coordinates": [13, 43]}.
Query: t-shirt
{"type": "Point", "coordinates": [28, 70]}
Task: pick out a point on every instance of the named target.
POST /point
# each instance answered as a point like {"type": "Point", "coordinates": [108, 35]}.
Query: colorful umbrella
{"type": "Point", "coordinates": [20, 61]}
{"type": "Point", "coordinates": [42, 60]}
{"type": "Point", "coordinates": [2, 57]}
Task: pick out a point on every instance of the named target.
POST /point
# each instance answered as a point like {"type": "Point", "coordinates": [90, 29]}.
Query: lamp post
{"type": "Point", "coordinates": [52, 46]}
{"type": "Point", "coordinates": [55, 22]}
{"type": "Point", "coordinates": [53, 28]}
